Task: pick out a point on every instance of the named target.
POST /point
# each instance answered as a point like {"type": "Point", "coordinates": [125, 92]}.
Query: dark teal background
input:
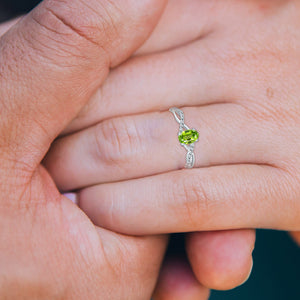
{"type": "Point", "coordinates": [276, 271]}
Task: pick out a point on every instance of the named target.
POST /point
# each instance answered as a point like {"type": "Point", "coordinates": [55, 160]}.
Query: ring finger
{"type": "Point", "coordinates": [142, 145]}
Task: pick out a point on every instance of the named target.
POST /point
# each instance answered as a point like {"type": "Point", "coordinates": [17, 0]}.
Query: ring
{"type": "Point", "coordinates": [186, 136]}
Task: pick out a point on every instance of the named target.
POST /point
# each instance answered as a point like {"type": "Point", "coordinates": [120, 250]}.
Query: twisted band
{"type": "Point", "coordinates": [187, 137]}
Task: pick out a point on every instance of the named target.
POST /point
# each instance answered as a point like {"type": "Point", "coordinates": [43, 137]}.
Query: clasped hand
{"type": "Point", "coordinates": [93, 83]}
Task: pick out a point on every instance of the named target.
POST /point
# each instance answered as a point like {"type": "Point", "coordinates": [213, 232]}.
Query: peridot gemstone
{"type": "Point", "coordinates": [188, 137]}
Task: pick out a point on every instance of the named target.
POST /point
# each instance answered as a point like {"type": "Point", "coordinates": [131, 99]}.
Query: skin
{"type": "Point", "coordinates": [47, 264]}
{"type": "Point", "coordinates": [188, 30]}
{"type": "Point", "coordinates": [212, 235]}
{"type": "Point", "coordinates": [247, 169]}
{"type": "Point", "coordinates": [26, 147]}
{"type": "Point", "coordinates": [238, 84]}
{"type": "Point", "coordinates": [51, 63]}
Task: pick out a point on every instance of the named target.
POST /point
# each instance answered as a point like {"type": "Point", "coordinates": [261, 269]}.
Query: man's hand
{"type": "Point", "coordinates": [50, 64]}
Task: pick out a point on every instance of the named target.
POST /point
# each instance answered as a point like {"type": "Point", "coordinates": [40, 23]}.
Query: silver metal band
{"type": "Point", "coordinates": [179, 117]}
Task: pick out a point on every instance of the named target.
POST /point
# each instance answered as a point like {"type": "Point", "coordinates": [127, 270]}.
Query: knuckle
{"type": "Point", "coordinates": [109, 15]}
{"type": "Point", "coordinates": [95, 25]}
{"type": "Point", "coordinates": [75, 25]}
{"type": "Point", "coordinates": [117, 141]}
{"type": "Point", "coordinates": [191, 200]}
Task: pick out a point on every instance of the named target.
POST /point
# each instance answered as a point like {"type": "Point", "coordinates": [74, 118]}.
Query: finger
{"type": "Point", "coordinates": [188, 76]}
{"type": "Point", "coordinates": [132, 260]}
{"type": "Point", "coordinates": [183, 21]}
{"type": "Point", "coordinates": [215, 198]}
{"type": "Point", "coordinates": [67, 50]}
{"type": "Point", "coordinates": [179, 24]}
{"type": "Point", "coordinates": [228, 135]}
{"type": "Point", "coordinates": [4, 27]}
{"type": "Point", "coordinates": [177, 281]}
{"type": "Point", "coordinates": [221, 260]}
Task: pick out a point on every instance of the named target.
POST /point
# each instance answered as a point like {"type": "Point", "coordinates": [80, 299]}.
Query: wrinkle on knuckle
{"type": "Point", "coordinates": [97, 24]}
{"type": "Point", "coordinates": [111, 13]}
{"type": "Point", "coordinates": [259, 59]}
{"type": "Point", "coordinates": [191, 200]}
{"type": "Point", "coordinates": [60, 20]}
{"type": "Point", "coordinates": [121, 141]}
{"type": "Point", "coordinates": [67, 33]}
{"type": "Point", "coordinates": [271, 114]}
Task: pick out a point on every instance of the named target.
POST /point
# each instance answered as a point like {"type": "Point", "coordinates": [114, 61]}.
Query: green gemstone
{"type": "Point", "coordinates": [188, 137]}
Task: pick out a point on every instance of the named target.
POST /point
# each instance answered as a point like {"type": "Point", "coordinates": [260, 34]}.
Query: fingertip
{"type": "Point", "coordinates": [221, 260]}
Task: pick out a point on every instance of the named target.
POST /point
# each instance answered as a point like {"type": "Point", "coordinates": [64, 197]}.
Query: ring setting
{"type": "Point", "coordinates": [186, 136]}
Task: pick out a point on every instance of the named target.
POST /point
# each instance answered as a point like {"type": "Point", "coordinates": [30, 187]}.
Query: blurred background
{"type": "Point", "coordinates": [276, 271]}
{"type": "Point", "coordinates": [10, 8]}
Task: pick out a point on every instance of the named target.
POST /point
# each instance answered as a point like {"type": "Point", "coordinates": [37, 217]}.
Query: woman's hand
{"type": "Point", "coordinates": [238, 84]}
{"type": "Point", "coordinates": [51, 63]}
{"type": "Point", "coordinates": [91, 157]}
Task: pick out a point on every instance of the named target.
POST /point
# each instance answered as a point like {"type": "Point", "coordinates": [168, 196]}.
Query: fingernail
{"type": "Point", "coordinates": [73, 197]}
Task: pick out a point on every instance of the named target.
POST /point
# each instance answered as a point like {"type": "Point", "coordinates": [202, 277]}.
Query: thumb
{"type": "Point", "coordinates": [53, 60]}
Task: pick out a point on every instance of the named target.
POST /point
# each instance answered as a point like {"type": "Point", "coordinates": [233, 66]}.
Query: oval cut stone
{"type": "Point", "coordinates": [188, 137]}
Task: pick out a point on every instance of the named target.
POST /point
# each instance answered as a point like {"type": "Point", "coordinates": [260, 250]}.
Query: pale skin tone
{"type": "Point", "coordinates": [245, 104]}
{"type": "Point", "coordinates": [52, 62]}
{"type": "Point", "coordinates": [52, 119]}
{"type": "Point", "coordinates": [238, 84]}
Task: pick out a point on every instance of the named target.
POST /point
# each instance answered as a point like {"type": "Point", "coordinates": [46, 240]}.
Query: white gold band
{"type": "Point", "coordinates": [189, 143]}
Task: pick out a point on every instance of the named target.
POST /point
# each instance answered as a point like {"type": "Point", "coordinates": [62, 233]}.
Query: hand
{"type": "Point", "coordinates": [51, 62]}
{"type": "Point", "coordinates": [177, 278]}
{"type": "Point", "coordinates": [75, 161]}
{"type": "Point", "coordinates": [240, 82]}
